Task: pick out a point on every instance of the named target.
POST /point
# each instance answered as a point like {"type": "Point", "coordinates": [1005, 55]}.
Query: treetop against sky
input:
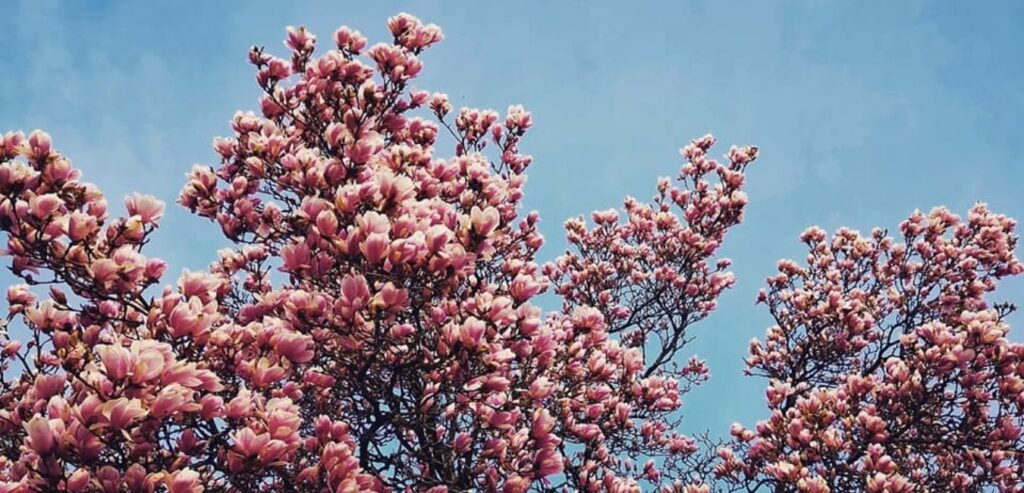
{"type": "Point", "coordinates": [384, 312]}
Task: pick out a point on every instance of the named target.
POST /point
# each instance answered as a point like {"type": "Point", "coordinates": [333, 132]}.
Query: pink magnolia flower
{"type": "Point", "coordinates": [121, 413]}
{"type": "Point", "coordinates": [43, 206]}
{"type": "Point", "coordinates": [40, 144]}
{"type": "Point", "coordinates": [184, 481]}
{"type": "Point", "coordinates": [117, 361]}
{"type": "Point", "coordinates": [484, 220]}
{"type": "Point", "coordinates": [147, 207]}
{"type": "Point", "coordinates": [548, 462]}
{"type": "Point", "coordinates": [79, 481]}
{"type": "Point", "coordinates": [40, 435]}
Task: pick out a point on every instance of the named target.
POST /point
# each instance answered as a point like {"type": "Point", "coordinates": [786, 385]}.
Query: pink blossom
{"type": "Point", "coordinates": [184, 481]}
{"type": "Point", "coordinates": [349, 40]}
{"type": "Point", "coordinates": [117, 361]}
{"type": "Point", "coordinates": [43, 206]}
{"type": "Point", "coordinates": [79, 481]}
{"type": "Point", "coordinates": [548, 462]}
{"type": "Point", "coordinates": [40, 435]}
{"type": "Point", "coordinates": [147, 207]}
{"type": "Point", "coordinates": [40, 144]}
{"type": "Point", "coordinates": [484, 220]}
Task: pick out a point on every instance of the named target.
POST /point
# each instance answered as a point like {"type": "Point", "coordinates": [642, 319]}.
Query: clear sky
{"type": "Point", "coordinates": [863, 112]}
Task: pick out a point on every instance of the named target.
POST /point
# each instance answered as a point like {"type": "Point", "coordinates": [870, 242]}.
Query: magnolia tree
{"type": "Point", "coordinates": [375, 327]}
{"type": "Point", "coordinates": [889, 372]}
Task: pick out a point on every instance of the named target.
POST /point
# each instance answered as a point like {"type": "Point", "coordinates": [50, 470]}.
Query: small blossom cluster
{"type": "Point", "coordinates": [649, 278]}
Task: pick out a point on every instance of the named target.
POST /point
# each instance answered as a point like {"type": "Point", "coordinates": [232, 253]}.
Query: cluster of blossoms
{"type": "Point", "coordinates": [889, 372]}
{"type": "Point", "coordinates": [373, 327]}
{"type": "Point", "coordinates": [117, 389]}
{"type": "Point", "coordinates": [648, 279]}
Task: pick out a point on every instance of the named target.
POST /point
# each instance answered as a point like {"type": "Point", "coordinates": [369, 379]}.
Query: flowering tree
{"type": "Point", "coordinates": [889, 371]}
{"type": "Point", "coordinates": [373, 328]}
{"type": "Point", "coordinates": [398, 348]}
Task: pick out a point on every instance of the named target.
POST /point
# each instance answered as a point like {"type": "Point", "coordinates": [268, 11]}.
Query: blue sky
{"type": "Point", "coordinates": [864, 111]}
